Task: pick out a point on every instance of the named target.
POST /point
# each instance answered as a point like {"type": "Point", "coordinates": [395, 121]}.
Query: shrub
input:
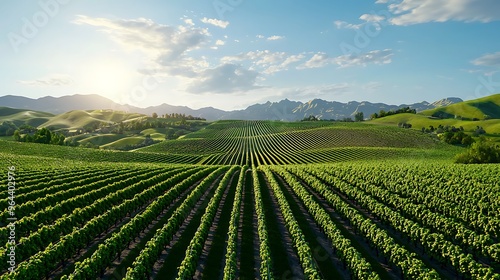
{"type": "Point", "coordinates": [481, 151]}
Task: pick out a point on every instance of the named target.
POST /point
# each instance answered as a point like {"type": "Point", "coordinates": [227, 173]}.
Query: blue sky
{"type": "Point", "coordinates": [230, 54]}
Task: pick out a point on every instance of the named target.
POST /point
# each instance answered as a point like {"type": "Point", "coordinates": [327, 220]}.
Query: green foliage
{"type": "Point", "coordinates": [383, 113]}
{"type": "Point", "coordinates": [42, 136]}
{"type": "Point", "coordinates": [311, 118]}
{"type": "Point", "coordinates": [484, 108]}
{"type": "Point", "coordinates": [7, 128]}
{"type": "Point", "coordinates": [481, 151]}
{"type": "Point", "coordinates": [359, 117]}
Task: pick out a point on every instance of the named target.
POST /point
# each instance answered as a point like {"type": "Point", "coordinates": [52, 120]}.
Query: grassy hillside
{"type": "Point", "coordinates": [418, 121]}
{"type": "Point", "coordinates": [132, 140]}
{"type": "Point", "coordinates": [13, 150]}
{"type": "Point", "coordinates": [92, 118]}
{"type": "Point", "coordinates": [483, 108]}
{"type": "Point", "coordinates": [21, 116]}
{"type": "Point", "coordinates": [155, 133]}
{"type": "Point", "coordinates": [102, 139]}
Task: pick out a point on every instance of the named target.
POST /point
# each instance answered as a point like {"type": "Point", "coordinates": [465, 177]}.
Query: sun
{"type": "Point", "coordinates": [108, 77]}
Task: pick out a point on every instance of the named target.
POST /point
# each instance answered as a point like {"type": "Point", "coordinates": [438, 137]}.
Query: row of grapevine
{"type": "Point", "coordinates": [112, 246]}
{"type": "Point", "coordinates": [449, 227]}
{"type": "Point", "coordinates": [408, 262]}
{"type": "Point", "coordinates": [194, 250]}
{"type": "Point", "coordinates": [70, 189]}
{"type": "Point", "coordinates": [143, 264]}
{"type": "Point", "coordinates": [360, 268]}
{"type": "Point", "coordinates": [303, 249]}
{"type": "Point", "coordinates": [131, 198]}
{"type": "Point", "coordinates": [272, 143]}
{"type": "Point", "coordinates": [435, 243]}
{"type": "Point", "coordinates": [266, 265]}
{"type": "Point", "coordinates": [230, 266]}
{"type": "Point", "coordinates": [52, 214]}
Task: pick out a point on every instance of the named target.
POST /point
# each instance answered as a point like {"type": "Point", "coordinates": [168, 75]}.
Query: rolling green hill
{"type": "Point", "coordinates": [274, 142]}
{"type": "Point", "coordinates": [79, 119]}
{"type": "Point", "coordinates": [21, 116]}
{"type": "Point", "coordinates": [483, 108]}
{"type": "Point", "coordinates": [483, 112]}
{"type": "Point", "coordinates": [418, 121]}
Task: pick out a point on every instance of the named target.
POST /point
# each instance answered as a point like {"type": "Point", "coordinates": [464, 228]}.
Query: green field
{"type": "Point", "coordinates": [252, 200]}
{"type": "Point", "coordinates": [482, 108]}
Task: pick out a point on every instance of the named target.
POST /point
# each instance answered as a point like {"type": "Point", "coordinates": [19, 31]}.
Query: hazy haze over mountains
{"type": "Point", "coordinates": [283, 110]}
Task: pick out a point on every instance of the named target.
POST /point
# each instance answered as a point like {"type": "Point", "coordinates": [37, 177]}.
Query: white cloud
{"type": "Point", "coordinates": [284, 65]}
{"type": "Point", "coordinates": [369, 19]}
{"type": "Point", "coordinates": [375, 57]}
{"type": "Point", "coordinates": [215, 22]}
{"type": "Point", "coordinates": [409, 12]}
{"type": "Point", "coordinates": [260, 36]}
{"type": "Point", "coordinates": [268, 62]}
{"type": "Point", "coordinates": [305, 93]}
{"type": "Point", "coordinates": [226, 78]}
{"type": "Point", "coordinates": [189, 21]}
{"type": "Point", "coordinates": [322, 59]}
{"type": "Point", "coordinates": [372, 18]}
{"type": "Point", "coordinates": [51, 80]}
{"type": "Point", "coordinates": [491, 59]}
{"type": "Point", "coordinates": [316, 61]}
{"type": "Point", "coordinates": [275, 37]}
{"type": "Point", "coordinates": [345, 25]}
{"type": "Point", "coordinates": [167, 46]}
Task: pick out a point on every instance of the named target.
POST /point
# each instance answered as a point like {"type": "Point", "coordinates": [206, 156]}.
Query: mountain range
{"type": "Point", "coordinates": [286, 110]}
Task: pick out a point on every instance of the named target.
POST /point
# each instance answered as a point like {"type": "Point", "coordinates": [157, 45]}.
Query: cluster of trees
{"type": "Point", "coordinates": [358, 117]}
{"type": "Point", "coordinates": [404, 125]}
{"type": "Point", "coordinates": [482, 151]}
{"type": "Point", "coordinates": [457, 138]}
{"type": "Point", "coordinates": [138, 125]}
{"type": "Point", "coordinates": [383, 113]}
{"type": "Point", "coordinates": [7, 128]}
{"type": "Point", "coordinates": [450, 134]}
{"type": "Point", "coordinates": [311, 118]}
{"type": "Point", "coordinates": [177, 116]}
{"type": "Point", "coordinates": [43, 136]}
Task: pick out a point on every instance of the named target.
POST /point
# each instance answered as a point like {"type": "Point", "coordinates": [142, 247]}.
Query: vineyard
{"type": "Point", "coordinates": [236, 201]}
{"type": "Point", "coordinates": [264, 142]}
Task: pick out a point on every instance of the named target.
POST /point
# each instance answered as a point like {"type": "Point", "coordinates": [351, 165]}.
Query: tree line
{"type": "Point", "coordinates": [43, 136]}
{"type": "Point", "coordinates": [383, 113]}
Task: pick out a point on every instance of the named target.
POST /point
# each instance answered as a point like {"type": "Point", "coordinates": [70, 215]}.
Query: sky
{"type": "Point", "coordinates": [229, 54]}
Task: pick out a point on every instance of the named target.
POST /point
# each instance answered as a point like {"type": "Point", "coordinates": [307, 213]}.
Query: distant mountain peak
{"type": "Point", "coordinates": [285, 109]}
{"type": "Point", "coordinates": [446, 101]}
